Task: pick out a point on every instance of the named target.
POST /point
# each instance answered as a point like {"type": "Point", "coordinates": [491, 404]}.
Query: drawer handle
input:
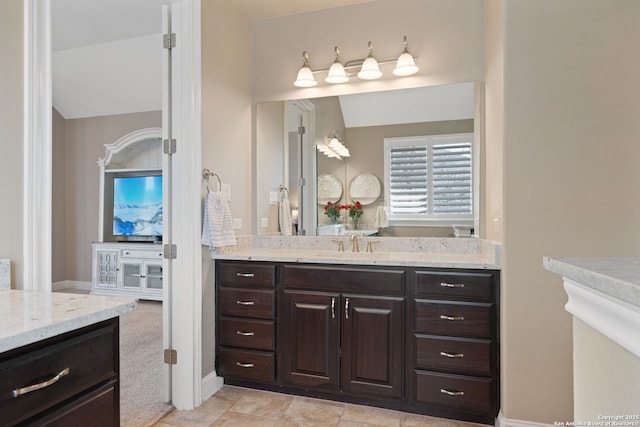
{"type": "Point", "coordinates": [245, 334]}
{"type": "Point", "coordinates": [245, 303]}
{"type": "Point", "coordinates": [28, 389]}
{"type": "Point", "coordinates": [454, 355]}
{"type": "Point", "coordinates": [245, 275]}
{"type": "Point", "coordinates": [452, 393]}
{"type": "Point", "coordinates": [245, 365]}
{"type": "Point", "coordinates": [443, 317]}
{"type": "Point", "coordinates": [451, 285]}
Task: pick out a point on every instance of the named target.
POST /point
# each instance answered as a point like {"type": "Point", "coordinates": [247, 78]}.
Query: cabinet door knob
{"type": "Point", "coordinates": [453, 318]}
{"type": "Point", "coordinates": [451, 285]}
{"type": "Point", "coordinates": [452, 393]}
{"type": "Point", "coordinates": [245, 303]}
{"type": "Point", "coordinates": [28, 389]}
{"type": "Point", "coordinates": [245, 334]}
{"type": "Point", "coordinates": [244, 365]}
{"type": "Point", "coordinates": [245, 275]}
{"type": "Point", "coordinates": [455, 355]}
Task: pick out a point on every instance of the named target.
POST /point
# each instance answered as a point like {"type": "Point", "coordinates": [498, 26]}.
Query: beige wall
{"type": "Point", "coordinates": [226, 130]}
{"type": "Point", "coordinates": [77, 182]}
{"type": "Point", "coordinates": [605, 374]}
{"type": "Point", "coordinates": [11, 142]}
{"type": "Point", "coordinates": [570, 178]}
{"type": "Point", "coordinates": [58, 200]}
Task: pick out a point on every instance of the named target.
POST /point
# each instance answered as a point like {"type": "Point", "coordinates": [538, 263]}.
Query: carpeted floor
{"type": "Point", "coordinates": [141, 366]}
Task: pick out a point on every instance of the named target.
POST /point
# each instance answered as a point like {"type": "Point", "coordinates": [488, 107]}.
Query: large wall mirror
{"type": "Point", "coordinates": [288, 133]}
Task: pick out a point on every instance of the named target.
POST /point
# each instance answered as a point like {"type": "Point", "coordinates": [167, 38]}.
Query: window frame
{"type": "Point", "coordinates": [430, 219]}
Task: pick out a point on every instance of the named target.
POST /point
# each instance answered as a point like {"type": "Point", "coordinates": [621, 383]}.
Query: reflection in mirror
{"type": "Point", "coordinates": [364, 188]}
{"type": "Point", "coordinates": [329, 189]}
{"type": "Point", "coordinates": [363, 121]}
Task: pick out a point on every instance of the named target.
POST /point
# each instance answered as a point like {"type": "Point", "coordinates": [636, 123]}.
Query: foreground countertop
{"type": "Point", "coordinates": [27, 317]}
{"type": "Point", "coordinates": [615, 277]}
{"type": "Point", "coordinates": [408, 252]}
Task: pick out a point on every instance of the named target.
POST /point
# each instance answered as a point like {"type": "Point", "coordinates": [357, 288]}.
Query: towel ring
{"type": "Point", "coordinates": [206, 174]}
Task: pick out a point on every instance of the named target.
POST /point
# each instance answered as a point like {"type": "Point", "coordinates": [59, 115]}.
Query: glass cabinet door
{"type": "Point", "coordinates": [107, 268]}
{"type": "Point", "coordinates": [154, 276]}
{"type": "Point", "coordinates": [131, 275]}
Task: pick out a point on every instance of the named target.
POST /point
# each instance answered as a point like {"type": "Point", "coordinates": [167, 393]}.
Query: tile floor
{"type": "Point", "coordinates": [242, 407]}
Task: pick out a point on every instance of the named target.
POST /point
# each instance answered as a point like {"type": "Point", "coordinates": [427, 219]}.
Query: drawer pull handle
{"type": "Point", "coordinates": [443, 317]}
{"type": "Point", "coordinates": [245, 303]}
{"type": "Point", "coordinates": [28, 389]}
{"type": "Point", "coordinates": [245, 334]}
{"type": "Point", "coordinates": [245, 275]}
{"type": "Point", "coordinates": [452, 393]}
{"type": "Point", "coordinates": [453, 355]}
{"type": "Point", "coordinates": [245, 365]}
{"type": "Point", "coordinates": [451, 285]}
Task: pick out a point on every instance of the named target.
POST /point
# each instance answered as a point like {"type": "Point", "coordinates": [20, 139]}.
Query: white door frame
{"type": "Point", "coordinates": [186, 317]}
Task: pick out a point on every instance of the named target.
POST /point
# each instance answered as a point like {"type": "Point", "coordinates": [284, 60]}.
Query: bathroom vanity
{"type": "Point", "coordinates": [59, 359]}
{"type": "Point", "coordinates": [414, 330]}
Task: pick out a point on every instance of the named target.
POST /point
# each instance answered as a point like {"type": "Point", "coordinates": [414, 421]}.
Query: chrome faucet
{"type": "Point", "coordinates": [354, 242]}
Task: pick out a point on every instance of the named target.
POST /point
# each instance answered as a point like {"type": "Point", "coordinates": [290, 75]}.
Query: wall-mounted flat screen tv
{"type": "Point", "coordinates": [133, 206]}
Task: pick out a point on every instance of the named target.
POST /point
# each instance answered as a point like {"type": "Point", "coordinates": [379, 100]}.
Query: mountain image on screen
{"type": "Point", "coordinates": [137, 206]}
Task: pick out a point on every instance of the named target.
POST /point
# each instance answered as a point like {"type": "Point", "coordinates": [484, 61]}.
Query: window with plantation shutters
{"type": "Point", "coordinates": [429, 179]}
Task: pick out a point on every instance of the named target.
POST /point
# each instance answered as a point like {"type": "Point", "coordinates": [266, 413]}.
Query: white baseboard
{"type": "Point", "coordinates": [71, 284]}
{"type": "Point", "coordinates": [501, 421]}
{"type": "Point", "coordinates": [210, 385]}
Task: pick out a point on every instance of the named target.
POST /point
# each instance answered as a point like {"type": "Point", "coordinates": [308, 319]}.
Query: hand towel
{"type": "Point", "coordinates": [217, 229]}
{"type": "Point", "coordinates": [381, 218]}
{"type": "Point", "coordinates": [284, 216]}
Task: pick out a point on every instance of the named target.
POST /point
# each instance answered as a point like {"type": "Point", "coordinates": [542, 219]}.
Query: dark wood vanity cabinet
{"type": "Point", "coordinates": [246, 321]}
{"type": "Point", "coordinates": [70, 379]}
{"type": "Point", "coordinates": [455, 343]}
{"type": "Point", "coordinates": [420, 340]}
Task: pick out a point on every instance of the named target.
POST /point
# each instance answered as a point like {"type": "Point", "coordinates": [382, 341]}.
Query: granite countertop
{"type": "Point", "coordinates": [615, 277]}
{"type": "Point", "coordinates": [27, 317]}
{"type": "Point", "coordinates": [409, 252]}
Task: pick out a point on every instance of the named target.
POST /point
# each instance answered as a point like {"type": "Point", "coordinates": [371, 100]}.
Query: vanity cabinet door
{"type": "Point", "coordinates": [372, 349]}
{"type": "Point", "coordinates": [310, 335]}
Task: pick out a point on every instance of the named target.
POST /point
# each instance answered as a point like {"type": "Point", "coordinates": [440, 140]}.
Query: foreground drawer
{"type": "Point", "coordinates": [455, 285]}
{"type": "Point", "coordinates": [460, 355]}
{"type": "Point", "coordinates": [246, 303]}
{"type": "Point", "coordinates": [466, 319]}
{"type": "Point", "coordinates": [258, 334]}
{"type": "Point", "coordinates": [60, 371]}
{"type": "Point", "coordinates": [455, 392]}
{"type": "Point", "coordinates": [249, 365]}
{"type": "Point", "coordinates": [246, 274]}
{"type": "Point", "coordinates": [344, 279]}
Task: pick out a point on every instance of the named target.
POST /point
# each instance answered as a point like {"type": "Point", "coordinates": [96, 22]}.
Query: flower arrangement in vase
{"type": "Point", "coordinates": [332, 210]}
{"type": "Point", "coordinates": [355, 211]}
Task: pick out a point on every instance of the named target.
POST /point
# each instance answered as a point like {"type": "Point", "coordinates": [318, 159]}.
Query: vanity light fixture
{"type": "Point", "coordinates": [337, 73]}
{"type": "Point", "coordinates": [305, 75]}
{"type": "Point", "coordinates": [334, 148]}
{"type": "Point", "coordinates": [367, 68]}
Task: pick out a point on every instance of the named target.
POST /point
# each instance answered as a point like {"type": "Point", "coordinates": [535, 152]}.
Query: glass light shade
{"type": "Point", "coordinates": [336, 74]}
{"type": "Point", "coordinates": [370, 69]}
{"type": "Point", "coordinates": [405, 66]}
{"type": "Point", "coordinates": [305, 78]}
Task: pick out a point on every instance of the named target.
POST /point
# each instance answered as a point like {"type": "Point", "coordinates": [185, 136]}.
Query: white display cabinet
{"type": "Point", "coordinates": [128, 270]}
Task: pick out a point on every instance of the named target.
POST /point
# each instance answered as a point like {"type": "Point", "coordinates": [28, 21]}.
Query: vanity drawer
{"type": "Point", "coordinates": [246, 303]}
{"type": "Point", "coordinates": [249, 365]}
{"type": "Point", "coordinates": [455, 392]}
{"type": "Point", "coordinates": [344, 279]}
{"type": "Point", "coordinates": [455, 285]}
{"type": "Point", "coordinates": [61, 370]}
{"type": "Point", "coordinates": [460, 355]}
{"type": "Point", "coordinates": [258, 334]}
{"type": "Point", "coordinates": [459, 318]}
{"type": "Point", "coordinates": [246, 274]}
